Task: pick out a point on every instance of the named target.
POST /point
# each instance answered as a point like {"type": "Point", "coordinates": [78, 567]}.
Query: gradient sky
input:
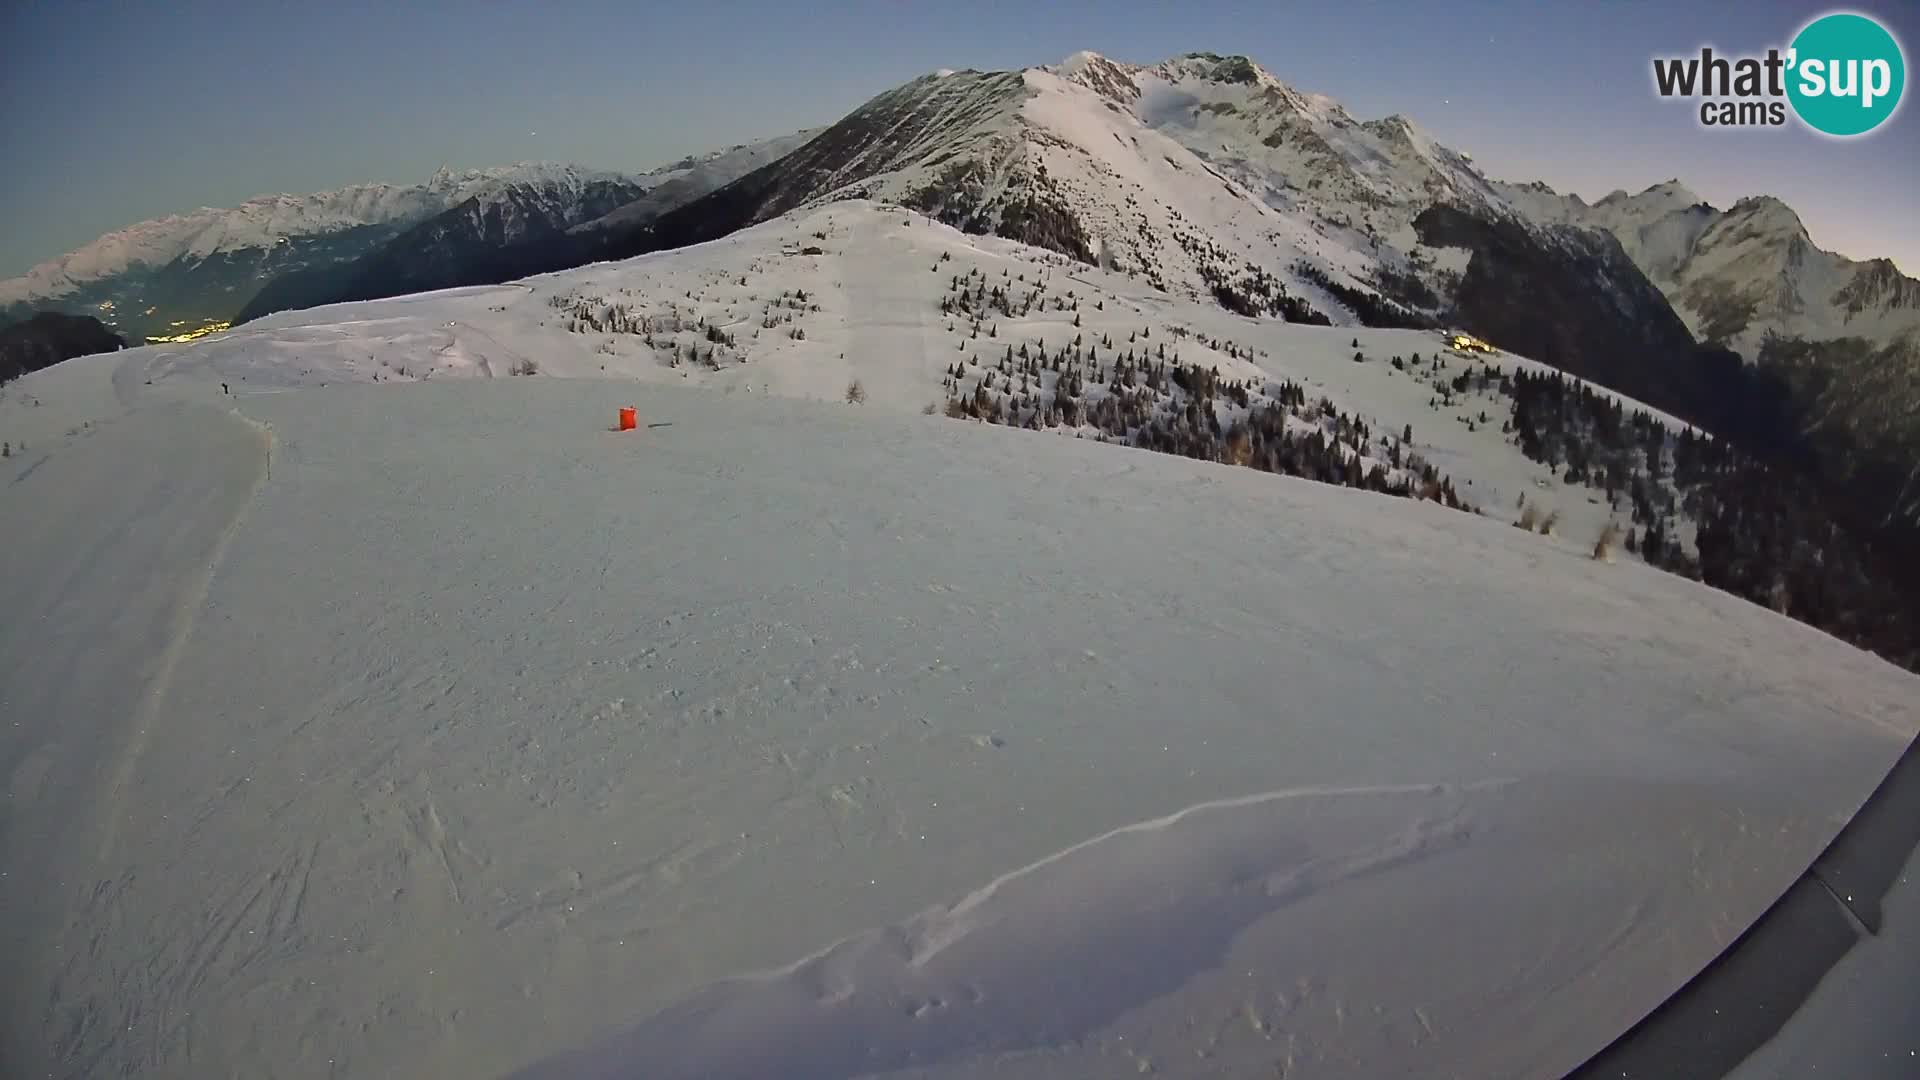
{"type": "Point", "coordinates": [112, 113]}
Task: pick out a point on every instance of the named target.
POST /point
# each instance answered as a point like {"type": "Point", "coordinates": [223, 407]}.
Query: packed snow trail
{"type": "Point", "coordinates": [498, 734]}
{"type": "Point", "coordinates": [889, 324]}
{"type": "Point", "coordinates": [111, 540]}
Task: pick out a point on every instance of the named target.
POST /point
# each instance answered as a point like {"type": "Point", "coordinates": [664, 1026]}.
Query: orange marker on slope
{"type": "Point", "coordinates": [629, 418]}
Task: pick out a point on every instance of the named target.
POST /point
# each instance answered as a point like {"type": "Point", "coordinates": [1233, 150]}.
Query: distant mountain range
{"type": "Point", "coordinates": [186, 271]}
{"type": "Point", "coordinates": [457, 246]}
{"type": "Point", "coordinates": [511, 231]}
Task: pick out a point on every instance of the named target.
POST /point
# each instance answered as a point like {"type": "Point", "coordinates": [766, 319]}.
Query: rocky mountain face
{"type": "Point", "coordinates": [50, 337]}
{"type": "Point", "coordinates": [1838, 339]}
{"type": "Point", "coordinates": [1741, 274]}
{"type": "Point", "coordinates": [919, 126]}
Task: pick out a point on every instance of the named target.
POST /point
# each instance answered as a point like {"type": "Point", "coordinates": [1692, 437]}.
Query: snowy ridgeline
{"type": "Point", "coordinates": [924, 317]}
{"type": "Point", "coordinates": [994, 753]}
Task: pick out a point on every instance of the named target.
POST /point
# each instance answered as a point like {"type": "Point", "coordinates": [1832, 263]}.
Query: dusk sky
{"type": "Point", "coordinates": [112, 113]}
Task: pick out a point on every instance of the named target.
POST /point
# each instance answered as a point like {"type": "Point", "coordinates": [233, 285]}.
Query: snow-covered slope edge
{"type": "Point", "coordinates": [586, 724]}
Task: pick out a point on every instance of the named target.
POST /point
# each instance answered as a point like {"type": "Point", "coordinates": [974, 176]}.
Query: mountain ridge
{"type": "Point", "coordinates": [260, 220]}
{"type": "Point", "coordinates": [199, 268]}
{"type": "Point", "coordinates": [511, 231]}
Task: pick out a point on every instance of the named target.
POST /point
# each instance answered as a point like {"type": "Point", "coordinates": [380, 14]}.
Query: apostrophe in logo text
{"type": "Point", "coordinates": [1843, 75]}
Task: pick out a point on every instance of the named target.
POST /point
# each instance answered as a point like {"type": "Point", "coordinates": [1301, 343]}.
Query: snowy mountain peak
{"type": "Point", "coordinates": [1662, 198]}
{"type": "Point", "coordinates": [1402, 132]}
{"type": "Point", "coordinates": [1079, 62]}
{"type": "Point", "coordinates": [1672, 190]}
{"type": "Point", "coordinates": [1878, 285]}
{"type": "Point", "coordinates": [1739, 275]}
{"type": "Point", "coordinates": [1221, 69]}
{"type": "Point", "coordinates": [1768, 213]}
{"type": "Point", "coordinates": [1105, 77]}
{"type": "Point", "coordinates": [1119, 81]}
{"type": "Point", "coordinates": [1395, 124]}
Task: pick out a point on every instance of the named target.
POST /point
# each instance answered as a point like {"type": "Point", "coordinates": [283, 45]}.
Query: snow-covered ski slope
{"type": "Point", "coordinates": [872, 312]}
{"type": "Point", "coordinates": [436, 730]}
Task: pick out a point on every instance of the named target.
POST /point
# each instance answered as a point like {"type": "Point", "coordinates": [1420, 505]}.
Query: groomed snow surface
{"type": "Point", "coordinates": [437, 730]}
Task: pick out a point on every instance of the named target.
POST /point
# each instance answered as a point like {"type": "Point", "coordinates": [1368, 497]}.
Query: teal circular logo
{"type": "Point", "coordinates": [1845, 74]}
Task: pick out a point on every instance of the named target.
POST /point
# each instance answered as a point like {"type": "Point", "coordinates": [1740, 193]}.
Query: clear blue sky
{"type": "Point", "coordinates": [111, 113]}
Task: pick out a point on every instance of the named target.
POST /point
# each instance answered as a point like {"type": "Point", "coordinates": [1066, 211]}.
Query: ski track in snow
{"type": "Point", "coordinates": [476, 736]}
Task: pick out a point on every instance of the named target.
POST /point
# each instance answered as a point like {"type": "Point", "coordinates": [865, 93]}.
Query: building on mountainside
{"type": "Point", "coordinates": [1468, 344]}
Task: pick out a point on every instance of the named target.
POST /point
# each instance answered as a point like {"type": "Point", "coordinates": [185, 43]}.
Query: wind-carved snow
{"type": "Point", "coordinates": [1045, 956]}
